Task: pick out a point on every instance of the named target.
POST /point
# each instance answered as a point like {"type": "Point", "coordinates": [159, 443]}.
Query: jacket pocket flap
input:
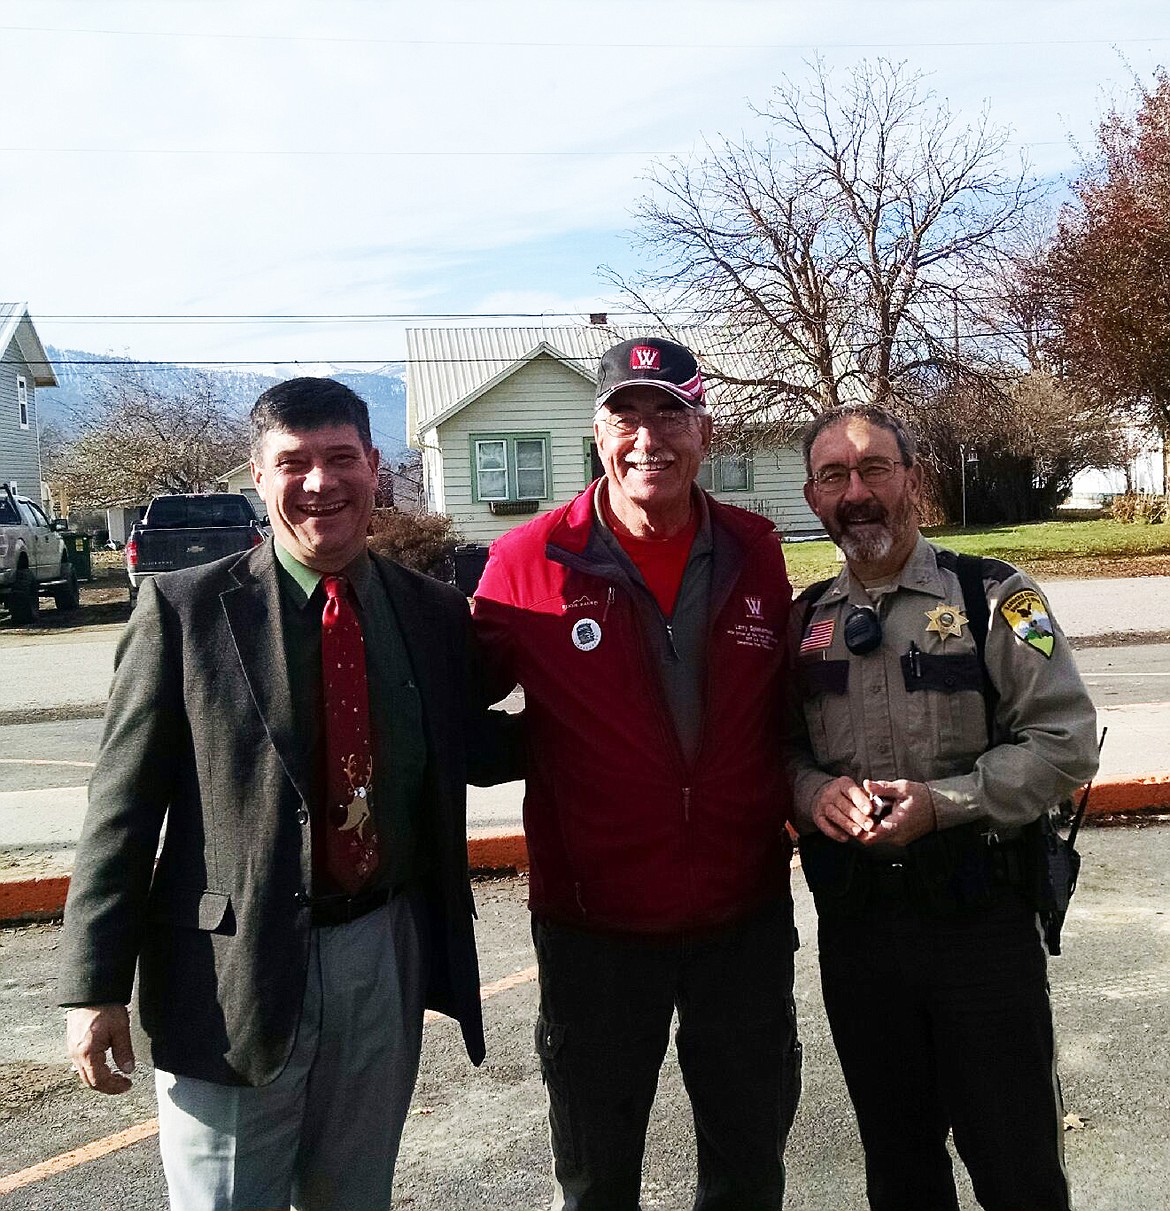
{"type": "Point", "coordinates": [214, 911]}
{"type": "Point", "coordinates": [190, 908]}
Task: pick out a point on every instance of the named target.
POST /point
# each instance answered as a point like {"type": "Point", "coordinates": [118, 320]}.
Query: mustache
{"type": "Point", "coordinates": [870, 510]}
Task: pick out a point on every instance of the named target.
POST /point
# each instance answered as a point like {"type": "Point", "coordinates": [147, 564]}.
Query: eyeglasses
{"type": "Point", "coordinates": [626, 424]}
{"type": "Point", "coordinates": [835, 477]}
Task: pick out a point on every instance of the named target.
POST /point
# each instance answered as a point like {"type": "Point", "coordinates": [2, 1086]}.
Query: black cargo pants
{"type": "Point", "coordinates": [942, 1021]}
{"type": "Point", "coordinates": [606, 1004]}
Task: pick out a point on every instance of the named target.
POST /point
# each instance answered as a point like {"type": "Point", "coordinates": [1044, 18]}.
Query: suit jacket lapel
{"type": "Point", "coordinates": [252, 609]}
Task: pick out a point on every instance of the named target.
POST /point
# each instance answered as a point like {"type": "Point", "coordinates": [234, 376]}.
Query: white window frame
{"type": "Point", "coordinates": [711, 471]}
{"type": "Point", "coordinates": [22, 400]}
{"type": "Point", "coordinates": [477, 445]}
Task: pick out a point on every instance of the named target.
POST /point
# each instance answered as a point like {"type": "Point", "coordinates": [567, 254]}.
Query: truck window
{"type": "Point", "coordinates": [32, 514]}
{"type": "Point", "coordinates": [8, 513]}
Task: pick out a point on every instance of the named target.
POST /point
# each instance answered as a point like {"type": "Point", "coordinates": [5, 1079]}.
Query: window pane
{"type": "Point", "coordinates": [703, 479]}
{"type": "Point", "coordinates": [489, 456]}
{"type": "Point", "coordinates": [493, 485]}
{"type": "Point", "coordinates": [530, 478]}
{"type": "Point", "coordinates": [491, 474]}
{"type": "Point", "coordinates": [734, 473]}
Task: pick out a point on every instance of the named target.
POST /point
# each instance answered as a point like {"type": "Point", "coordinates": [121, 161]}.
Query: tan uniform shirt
{"type": "Point", "coordinates": [902, 712]}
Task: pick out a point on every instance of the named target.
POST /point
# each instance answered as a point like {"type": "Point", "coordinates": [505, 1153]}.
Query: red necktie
{"type": "Point", "coordinates": [351, 837]}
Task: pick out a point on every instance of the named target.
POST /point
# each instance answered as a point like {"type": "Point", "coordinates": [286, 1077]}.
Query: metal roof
{"type": "Point", "coordinates": [12, 317]}
{"type": "Point", "coordinates": [446, 368]}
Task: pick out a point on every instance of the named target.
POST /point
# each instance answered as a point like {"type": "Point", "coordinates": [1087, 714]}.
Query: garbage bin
{"type": "Point", "coordinates": [470, 560]}
{"type": "Point", "coordinates": [78, 546]}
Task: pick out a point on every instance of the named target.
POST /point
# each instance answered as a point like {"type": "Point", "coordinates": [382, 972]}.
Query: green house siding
{"type": "Point", "coordinates": [19, 451]}
{"type": "Point", "coordinates": [544, 399]}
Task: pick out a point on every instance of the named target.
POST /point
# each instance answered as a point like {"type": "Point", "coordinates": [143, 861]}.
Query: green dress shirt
{"type": "Point", "coordinates": [396, 723]}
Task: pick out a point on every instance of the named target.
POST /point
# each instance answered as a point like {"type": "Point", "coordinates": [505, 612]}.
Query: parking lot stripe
{"type": "Point", "coordinates": [79, 1156]}
{"type": "Point", "coordinates": [524, 976]}
{"type": "Point", "coordinates": [144, 1130]}
{"type": "Point", "coordinates": [44, 761]}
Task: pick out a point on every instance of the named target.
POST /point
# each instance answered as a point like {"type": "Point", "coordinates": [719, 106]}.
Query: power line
{"type": "Point", "coordinates": [144, 317]}
{"type": "Point", "coordinates": [376, 317]}
{"type": "Point", "coordinates": [634, 44]}
{"type": "Point", "coordinates": [391, 153]}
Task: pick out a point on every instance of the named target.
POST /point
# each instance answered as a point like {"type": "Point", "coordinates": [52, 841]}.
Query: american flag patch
{"type": "Point", "coordinates": [819, 636]}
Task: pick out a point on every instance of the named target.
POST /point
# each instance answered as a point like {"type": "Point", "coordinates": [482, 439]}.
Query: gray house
{"type": "Point", "coordinates": [24, 368]}
{"type": "Point", "coordinates": [504, 420]}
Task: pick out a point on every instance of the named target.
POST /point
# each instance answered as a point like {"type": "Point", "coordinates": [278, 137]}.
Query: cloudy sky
{"type": "Point", "coordinates": [358, 162]}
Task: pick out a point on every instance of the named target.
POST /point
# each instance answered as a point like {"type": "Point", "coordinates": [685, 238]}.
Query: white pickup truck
{"type": "Point", "coordinates": [34, 560]}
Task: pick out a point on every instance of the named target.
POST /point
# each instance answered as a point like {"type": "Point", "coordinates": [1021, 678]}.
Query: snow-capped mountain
{"type": "Point", "coordinates": [79, 373]}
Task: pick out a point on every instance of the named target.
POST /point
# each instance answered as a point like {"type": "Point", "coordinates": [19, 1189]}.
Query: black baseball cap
{"type": "Point", "coordinates": [650, 361]}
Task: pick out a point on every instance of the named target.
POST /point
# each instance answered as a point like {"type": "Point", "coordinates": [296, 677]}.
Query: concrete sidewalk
{"type": "Point", "coordinates": [39, 828]}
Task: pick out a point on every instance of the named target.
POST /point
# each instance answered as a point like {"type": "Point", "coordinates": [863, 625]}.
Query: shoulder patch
{"type": "Point", "coordinates": [1026, 612]}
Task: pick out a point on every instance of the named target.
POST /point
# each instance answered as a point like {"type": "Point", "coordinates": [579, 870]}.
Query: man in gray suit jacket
{"type": "Point", "coordinates": [283, 1016]}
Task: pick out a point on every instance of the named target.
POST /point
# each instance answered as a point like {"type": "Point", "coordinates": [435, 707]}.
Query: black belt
{"type": "Point", "coordinates": [1006, 863]}
{"type": "Point", "coordinates": [341, 909]}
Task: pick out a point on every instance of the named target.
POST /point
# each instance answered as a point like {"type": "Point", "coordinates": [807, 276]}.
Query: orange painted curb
{"type": "Point", "coordinates": [33, 899]}
{"type": "Point", "coordinates": [44, 899]}
{"type": "Point", "coordinates": [1112, 795]}
{"type": "Point", "coordinates": [503, 852]}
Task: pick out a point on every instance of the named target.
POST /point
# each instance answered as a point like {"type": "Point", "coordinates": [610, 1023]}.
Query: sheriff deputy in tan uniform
{"type": "Point", "coordinates": [918, 831]}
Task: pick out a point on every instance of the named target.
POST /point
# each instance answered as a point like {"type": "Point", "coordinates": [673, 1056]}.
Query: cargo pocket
{"type": "Point", "coordinates": [550, 1044]}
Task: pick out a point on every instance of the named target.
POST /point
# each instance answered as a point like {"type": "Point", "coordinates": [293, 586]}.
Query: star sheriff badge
{"type": "Point", "coordinates": [946, 620]}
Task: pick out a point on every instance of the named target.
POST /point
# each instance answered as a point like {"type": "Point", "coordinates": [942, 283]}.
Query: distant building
{"type": "Point", "coordinates": [504, 420]}
{"type": "Point", "coordinates": [239, 479]}
{"type": "Point", "coordinates": [24, 368]}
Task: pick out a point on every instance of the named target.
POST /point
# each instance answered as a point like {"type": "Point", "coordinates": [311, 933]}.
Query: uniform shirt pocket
{"type": "Point", "coordinates": [824, 687]}
{"type": "Point", "coordinates": [946, 703]}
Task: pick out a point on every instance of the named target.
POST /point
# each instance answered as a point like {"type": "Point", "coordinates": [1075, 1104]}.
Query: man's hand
{"type": "Point", "coordinates": [92, 1031]}
{"type": "Point", "coordinates": [912, 815]}
{"type": "Point", "coordinates": [843, 810]}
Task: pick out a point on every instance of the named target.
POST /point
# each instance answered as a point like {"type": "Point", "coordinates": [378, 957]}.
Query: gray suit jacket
{"type": "Point", "coordinates": [199, 732]}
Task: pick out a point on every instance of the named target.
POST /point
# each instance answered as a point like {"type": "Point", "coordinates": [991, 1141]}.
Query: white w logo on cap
{"type": "Point", "coordinates": [644, 357]}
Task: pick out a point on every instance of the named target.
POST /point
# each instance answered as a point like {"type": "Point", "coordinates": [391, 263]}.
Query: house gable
{"type": "Point", "coordinates": [541, 400]}
{"type": "Point", "coordinates": [504, 420]}
{"type": "Point", "coordinates": [24, 366]}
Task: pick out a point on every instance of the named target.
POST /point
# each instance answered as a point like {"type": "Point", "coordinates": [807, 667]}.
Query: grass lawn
{"type": "Point", "coordinates": [1045, 549]}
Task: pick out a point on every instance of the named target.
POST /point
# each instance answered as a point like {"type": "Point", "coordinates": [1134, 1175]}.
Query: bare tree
{"type": "Point", "coordinates": [836, 259]}
{"type": "Point", "coordinates": [138, 440]}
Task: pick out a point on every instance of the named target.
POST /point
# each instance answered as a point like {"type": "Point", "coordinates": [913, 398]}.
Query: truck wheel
{"type": "Point", "coordinates": [23, 603]}
{"type": "Point", "coordinates": [67, 595]}
{"type": "Point", "coordinates": [133, 597]}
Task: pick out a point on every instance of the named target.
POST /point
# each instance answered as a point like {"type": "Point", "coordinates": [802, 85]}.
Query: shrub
{"type": "Point", "coordinates": [1140, 508]}
{"type": "Point", "coordinates": [423, 541]}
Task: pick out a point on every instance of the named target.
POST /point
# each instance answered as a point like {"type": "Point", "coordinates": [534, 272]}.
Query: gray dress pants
{"type": "Point", "coordinates": [324, 1135]}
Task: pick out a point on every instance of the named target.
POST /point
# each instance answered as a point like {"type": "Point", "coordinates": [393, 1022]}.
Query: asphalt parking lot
{"type": "Point", "coordinates": [477, 1138]}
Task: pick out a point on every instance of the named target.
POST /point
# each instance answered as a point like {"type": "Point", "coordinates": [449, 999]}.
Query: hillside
{"type": "Point", "coordinates": [384, 389]}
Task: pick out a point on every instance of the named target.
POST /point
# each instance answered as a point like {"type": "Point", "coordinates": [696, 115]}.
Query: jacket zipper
{"type": "Point", "coordinates": [670, 640]}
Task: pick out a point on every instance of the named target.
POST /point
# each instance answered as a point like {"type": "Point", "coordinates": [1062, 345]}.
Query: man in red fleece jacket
{"type": "Point", "coordinates": [646, 622]}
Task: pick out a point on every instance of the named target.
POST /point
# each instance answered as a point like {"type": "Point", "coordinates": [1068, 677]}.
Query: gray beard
{"type": "Point", "coordinates": [871, 545]}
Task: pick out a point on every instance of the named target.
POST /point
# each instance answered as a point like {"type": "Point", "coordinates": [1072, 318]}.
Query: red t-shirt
{"type": "Point", "coordinates": [661, 561]}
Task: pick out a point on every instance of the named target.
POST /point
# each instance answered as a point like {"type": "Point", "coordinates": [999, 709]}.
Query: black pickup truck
{"type": "Point", "coordinates": [185, 530]}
